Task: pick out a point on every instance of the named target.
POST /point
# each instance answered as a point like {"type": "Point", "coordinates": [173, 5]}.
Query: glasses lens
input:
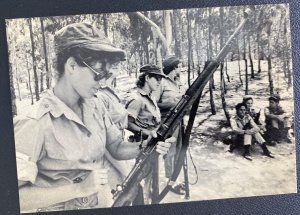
{"type": "Point", "coordinates": [103, 76]}
{"type": "Point", "coordinates": [99, 73]}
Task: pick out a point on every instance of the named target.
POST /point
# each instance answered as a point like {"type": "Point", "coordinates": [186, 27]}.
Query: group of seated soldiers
{"type": "Point", "coordinates": [246, 126]}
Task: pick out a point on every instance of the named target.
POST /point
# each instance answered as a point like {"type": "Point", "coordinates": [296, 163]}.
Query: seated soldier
{"type": "Point", "coordinates": [245, 128]}
{"type": "Point", "coordinates": [254, 112]}
{"type": "Point", "coordinates": [277, 122]}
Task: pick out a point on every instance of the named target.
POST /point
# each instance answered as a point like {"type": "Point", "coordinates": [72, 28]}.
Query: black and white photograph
{"type": "Point", "coordinates": [152, 107]}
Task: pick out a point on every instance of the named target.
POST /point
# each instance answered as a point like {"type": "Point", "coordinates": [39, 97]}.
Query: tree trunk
{"type": "Point", "coordinates": [258, 52]}
{"type": "Point", "coordinates": [270, 72]}
{"type": "Point", "coordinates": [222, 81]}
{"type": "Point", "coordinates": [105, 24]}
{"type": "Point", "coordinates": [198, 44]}
{"type": "Point", "coordinates": [287, 71]}
{"type": "Point", "coordinates": [222, 87]}
{"type": "Point", "coordinates": [212, 102]}
{"type": "Point", "coordinates": [29, 82]}
{"type": "Point", "coordinates": [18, 85]}
{"type": "Point", "coordinates": [189, 46]}
{"type": "Point", "coordinates": [42, 82]}
{"type": "Point", "coordinates": [226, 72]}
{"type": "Point", "coordinates": [12, 90]}
{"type": "Point", "coordinates": [210, 47]}
{"type": "Point", "coordinates": [239, 59]}
{"type": "Point", "coordinates": [157, 29]}
{"type": "Point", "coordinates": [48, 74]}
{"type": "Point", "coordinates": [168, 28]}
{"type": "Point", "coordinates": [36, 81]}
{"type": "Point", "coordinates": [250, 57]}
{"type": "Point", "coordinates": [177, 40]}
{"type": "Point", "coordinates": [246, 67]}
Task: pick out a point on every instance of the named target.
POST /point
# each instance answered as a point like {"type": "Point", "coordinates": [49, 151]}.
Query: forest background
{"type": "Point", "coordinates": [194, 35]}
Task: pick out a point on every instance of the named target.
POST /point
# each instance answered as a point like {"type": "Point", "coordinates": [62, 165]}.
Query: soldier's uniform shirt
{"type": "Point", "coordinates": [143, 108]}
{"type": "Point", "coordinates": [277, 130]}
{"type": "Point", "coordinates": [115, 107]}
{"type": "Point", "coordinates": [238, 124]}
{"type": "Point", "coordinates": [168, 90]}
{"type": "Point", "coordinates": [280, 112]}
{"type": "Point", "coordinates": [119, 116]}
{"type": "Point", "coordinates": [254, 114]}
{"type": "Point", "coordinates": [54, 147]}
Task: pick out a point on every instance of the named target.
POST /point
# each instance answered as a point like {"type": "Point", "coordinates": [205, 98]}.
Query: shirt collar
{"type": "Point", "coordinates": [149, 97]}
{"type": "Point", "coordinates": [142, 92]}
{"type": "Point", "coordinates": [110, 90]}
{"type": "Point", "coordinates": [53, 105]}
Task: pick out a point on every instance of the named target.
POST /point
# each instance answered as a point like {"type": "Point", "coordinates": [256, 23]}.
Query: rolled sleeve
{"type": "Point", "coordinates": [254, 128]}
{"type": "Point", "coordinates": [113, 134]}
{"type": "Point", "coordinates": [29, 141]}
{"type": "Point", "coordinates": [27, 170]}
{"type": "Point", "coordinates": [235, 127]}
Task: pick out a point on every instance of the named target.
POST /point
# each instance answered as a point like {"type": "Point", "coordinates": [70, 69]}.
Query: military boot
{"type": "Point", "coordinates": [247, 154]}
{"type": "Point", "coordinates": [266, 151]}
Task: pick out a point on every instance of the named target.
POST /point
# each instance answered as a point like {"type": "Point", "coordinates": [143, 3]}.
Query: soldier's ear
{"type": "Point", "coordinates": [147, 77]}
{"type": "Point", "coordinates": [71, 63]}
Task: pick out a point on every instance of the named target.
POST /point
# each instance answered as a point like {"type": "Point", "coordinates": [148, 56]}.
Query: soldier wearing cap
{"type": "Point", "coordinates": [255, 114]}
{"type": "Point", "coordinates": [245, 129]}
{"type": "Point", "coordinates": [168, 95]}
{"type": "Point", "coordinates": [115, 105]}
{"type": "Point", "coordinates": [277, 122]}
{"type": "Point", "coordinates": [60, 146]}
{"type": "Point", "coordinates": [144, 115]}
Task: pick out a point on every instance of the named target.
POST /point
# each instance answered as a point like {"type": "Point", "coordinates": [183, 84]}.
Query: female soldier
{"type": "Point", "coordinates": [144, 115]}
{"type": "Point", "coordinates": [168, 95]}
{"type": "Point", "coordinates": [118, 113]}
{"type": "Point", "coordinates": [60, 146]}
{"type": "Point", "coordinates": [248, 101]}
{"type": "Point", "coordinates": [112, 101]}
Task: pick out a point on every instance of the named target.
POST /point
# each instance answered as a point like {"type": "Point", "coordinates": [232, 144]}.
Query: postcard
{"type": "Point", "coordinates": [152, 107]}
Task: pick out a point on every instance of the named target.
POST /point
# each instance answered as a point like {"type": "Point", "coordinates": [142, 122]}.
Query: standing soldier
{"type": "Point", "coordinates": [119, 116]}
{"type": "Point", "coordinates": [168, 95]}
{"type": "Point", "coordinates": [144, 115]}
{"type": "Point", "coordinates": [60, 146]}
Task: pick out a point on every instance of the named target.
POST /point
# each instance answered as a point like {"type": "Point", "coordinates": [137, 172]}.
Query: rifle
{"type": "Point", "coordinates": [125, 193]}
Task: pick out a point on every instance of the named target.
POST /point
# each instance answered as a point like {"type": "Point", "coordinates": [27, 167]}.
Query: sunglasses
{"type": "Point", "coordinates": [100, 73]}
{"type": "Point", "coordinates": [157, 77]}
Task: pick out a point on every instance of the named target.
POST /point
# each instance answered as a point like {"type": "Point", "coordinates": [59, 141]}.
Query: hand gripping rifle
{"type": "Point", "coordinates": [125, 193]}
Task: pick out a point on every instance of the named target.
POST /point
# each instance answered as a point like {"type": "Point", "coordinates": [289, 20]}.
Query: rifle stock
{"type": "Point", "coordinates": [125, 192]}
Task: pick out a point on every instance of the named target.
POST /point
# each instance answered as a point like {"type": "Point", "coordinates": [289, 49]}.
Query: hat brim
{"type": "Point", "coordinates": [106, 48]}
{"type": "Point", "coordinates": [159, 74]}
